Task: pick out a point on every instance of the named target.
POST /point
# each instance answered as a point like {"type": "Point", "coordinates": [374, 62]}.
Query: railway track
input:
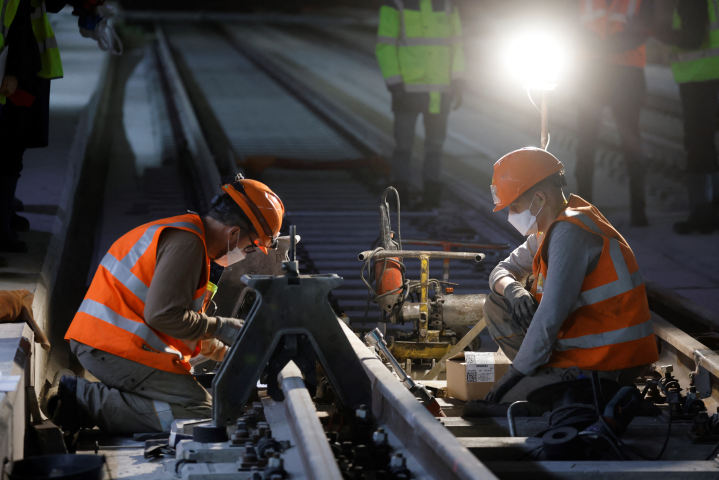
{"type": "Point", "coordinates": [335, 211]}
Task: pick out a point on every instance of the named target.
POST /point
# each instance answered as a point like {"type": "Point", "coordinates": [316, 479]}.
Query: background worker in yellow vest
{"type": "Point", "coordinates": [34, 60]}
{"type": "Point", "coordinates": [610, 72]}
{"type": "Point", "coordinates": [587, 307]}
{"type": "Point", "coordinates": [695, 36]}
{"type": "Point", "coordinates": [143, 318]}
{"type": "Point", "coordinates": [420, 53]}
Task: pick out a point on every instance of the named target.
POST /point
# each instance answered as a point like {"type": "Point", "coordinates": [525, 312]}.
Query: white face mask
{"type": "Point", "coordinates": [525, 222]}
{"type": "Point", "coordinates": [233, 256]}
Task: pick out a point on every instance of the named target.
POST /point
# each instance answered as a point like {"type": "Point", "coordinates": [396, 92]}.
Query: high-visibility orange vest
{"type": "Point", "coordinates": [606, 20]}
{"type": "Point", "coordinates": [111, 317]}
{"type": "Point", "coordinates": [609, 326]}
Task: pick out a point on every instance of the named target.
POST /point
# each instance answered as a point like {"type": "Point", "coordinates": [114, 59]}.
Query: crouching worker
{"type": "Point", "coordinates": [587, 307]}
{"type": "Point", "coordinates": [142, 318]}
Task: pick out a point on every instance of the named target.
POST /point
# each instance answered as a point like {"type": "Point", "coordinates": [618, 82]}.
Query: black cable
{"type": "Point", "coordinates": [669, 427]}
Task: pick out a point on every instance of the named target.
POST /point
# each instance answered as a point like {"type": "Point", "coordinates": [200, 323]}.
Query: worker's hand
{"type": "Point", "coordinates": [508, 380]}
{"type": "Point", "coordinates": [228, 329]}
{"type": "Point", "coordinates": [522, 302]}
{"type": "Point", "coordinates": [457, 97]}
{"type": "Point", "coordinates": [8, 86]}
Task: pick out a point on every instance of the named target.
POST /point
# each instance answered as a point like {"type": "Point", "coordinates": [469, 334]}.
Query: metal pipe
{"type": "Point", "coordinates": [443, 243]}
{"type": "Point", "coordinates": [545, 120]}
{"type": "Point", "coordinates": [477, 257]}
{"type": "Point", "coordinates": [510, 418]}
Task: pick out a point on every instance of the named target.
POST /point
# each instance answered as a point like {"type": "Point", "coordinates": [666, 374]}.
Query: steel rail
{"type": "Point", "coordinates": [368, 134]}
{"type": "Point", "coordinates": [434, 447]}
{"type": "Point", "coordinates": [316, 455]}
{"type": "Point", "coordinates": [203, 160]}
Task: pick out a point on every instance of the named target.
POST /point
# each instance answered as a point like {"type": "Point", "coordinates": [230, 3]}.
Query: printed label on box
{"type": "Point", "coordinates": [480, 367]}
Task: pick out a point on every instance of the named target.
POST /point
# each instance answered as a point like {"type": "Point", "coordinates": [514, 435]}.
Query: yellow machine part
{"type": "Point", "coordinates": [424, 350]}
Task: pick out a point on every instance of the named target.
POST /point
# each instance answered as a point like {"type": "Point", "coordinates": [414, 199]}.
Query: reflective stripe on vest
{"type": "Point", "coordinates": [122, 269]}
{"type": "Point", "coordinates": [101, 312]}
{"type": "Point", "coordinates": [609, 326]}
{"type": "Point", "coordinates": [700, 64]}
{"type": "Point", "coordinates": [607, 21]}
{"type": "Point", "coordinates": [46, 42]}
{"type": "Point", "coordinates": [625, 281]}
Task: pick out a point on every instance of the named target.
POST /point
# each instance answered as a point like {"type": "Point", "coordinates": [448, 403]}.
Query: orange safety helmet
{"type": "Point", "coordinates": [261, 205]}
{"type": "Point", "coordinates": [518, 171]}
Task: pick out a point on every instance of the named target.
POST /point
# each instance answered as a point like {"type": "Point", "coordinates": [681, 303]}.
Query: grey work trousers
{"type": "Point", "coordinates": [509, 337]}
{"type": "Point", "coordinates": [435, 132]}
{"type": "Point", "coordinates": [135, 398]}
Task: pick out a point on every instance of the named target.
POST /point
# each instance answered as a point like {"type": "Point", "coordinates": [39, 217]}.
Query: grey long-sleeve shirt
{"type": "Point", "coordinates": [179, 264]}
{"type": "Point", "coordinates": [573, 253]}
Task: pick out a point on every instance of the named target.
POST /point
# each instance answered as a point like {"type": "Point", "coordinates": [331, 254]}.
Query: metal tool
{"type": "Point", "coordinates": [376, 339]}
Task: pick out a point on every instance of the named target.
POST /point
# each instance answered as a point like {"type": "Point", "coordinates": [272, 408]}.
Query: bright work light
{"type": "Point", "coordinates": [536, 61]}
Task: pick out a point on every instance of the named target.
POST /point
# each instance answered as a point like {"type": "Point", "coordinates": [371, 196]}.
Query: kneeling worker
{"type": "Point", "coordinates": [143, 316]}
{"type": "Point", "coordinates": [587, 307]}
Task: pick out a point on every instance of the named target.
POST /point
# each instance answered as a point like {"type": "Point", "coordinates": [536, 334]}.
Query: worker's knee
{"type": "Point", "coordinates": [498, 314]}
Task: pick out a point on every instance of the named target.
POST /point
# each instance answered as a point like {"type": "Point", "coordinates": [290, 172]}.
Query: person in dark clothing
{"type": "Point", "coordinates": [612, 35]}
{"type": "Point", "coordinates": [19, 84]}
{"type": "Point", "coordinates": [696, 68]}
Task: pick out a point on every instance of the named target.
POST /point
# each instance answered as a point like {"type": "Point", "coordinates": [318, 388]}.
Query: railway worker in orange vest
{"type": "Point", "coordinates": [587, 306]}
{"type": "Point", "coordinates": [610, 72]}
{"type": "Point", "coordinates": [143, 318]}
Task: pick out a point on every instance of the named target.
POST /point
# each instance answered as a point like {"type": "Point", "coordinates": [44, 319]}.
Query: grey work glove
{"type": "Point", "coordinates": [508, 380]}
{"type": "Point", "coordinates": [522, 302]}
{"type": "Point", "coordinates": [228, 329]}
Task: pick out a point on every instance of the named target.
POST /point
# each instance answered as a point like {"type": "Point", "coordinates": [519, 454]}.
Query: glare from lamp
{"type": "Point", "coordinates": [536, 61]}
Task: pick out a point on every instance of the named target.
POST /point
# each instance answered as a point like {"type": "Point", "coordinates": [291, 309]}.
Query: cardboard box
{"type": "Point", "coordinates": [471, 375]}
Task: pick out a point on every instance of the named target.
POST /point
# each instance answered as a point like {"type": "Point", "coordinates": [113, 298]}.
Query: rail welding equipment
{"type": "Point", "coordinates": [93, 24]}
{"type": "Point", "coordinates": [433, 317]}
{"type": "Point", "coordinates": [261, 205]}
{"type": "Point", "coordinates": [376, 339]}
{"type": "Point", "coordinates": [537, 61]}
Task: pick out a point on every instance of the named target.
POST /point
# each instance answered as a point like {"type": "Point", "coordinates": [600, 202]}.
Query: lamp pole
{"type": "Point", "coordinates": [544, 139]}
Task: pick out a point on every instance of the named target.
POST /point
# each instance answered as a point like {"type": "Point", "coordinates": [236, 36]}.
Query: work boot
{"type": "Point", "coordinates": [432, 195]}
{"type": "Point", "coordinates": [637, 202]}
{"type": "Point", "coordinates": [703, 216]}
{"type": "Point", "coordinates": [702, 219]}
{"type": "Point", "coordinates": [64, 411]}
{"type": "Point", "coordinates": [8, 237]}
